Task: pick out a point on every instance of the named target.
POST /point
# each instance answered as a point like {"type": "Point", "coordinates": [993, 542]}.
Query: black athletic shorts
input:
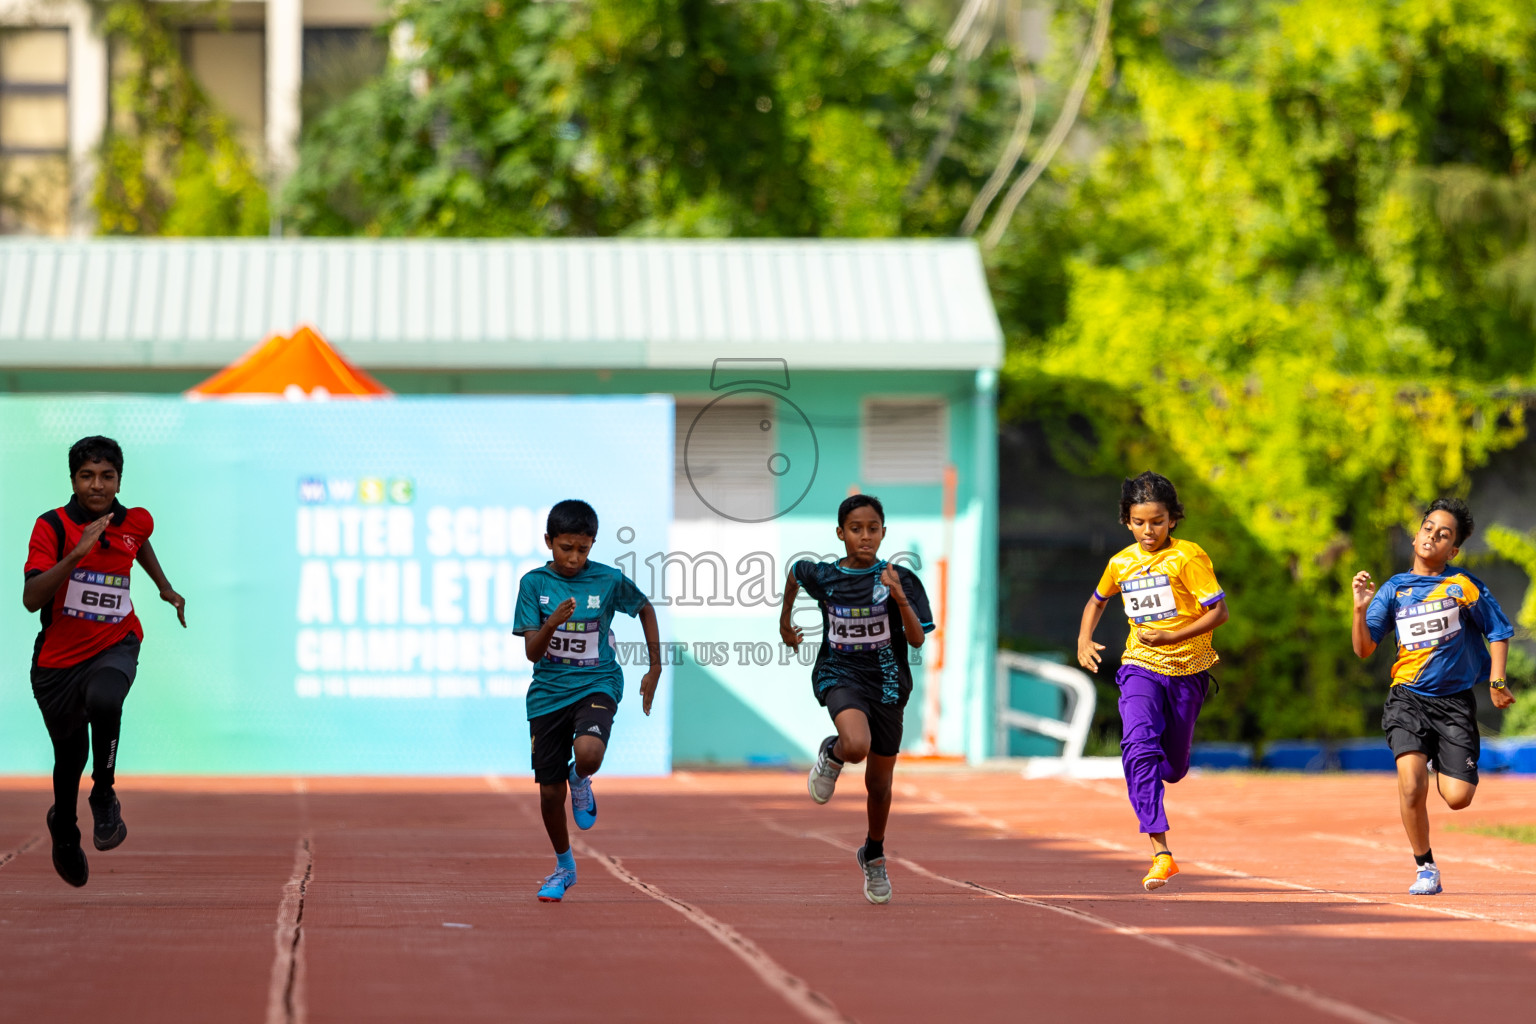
{"type": "Point", "coordinates": [555, 734]}
{"type": "Point", "coordinates": [60, 692]}
{"type": "Point", "coordinates": [884, 719]}
{"type": "Point", "coordinates": [1442, 728]}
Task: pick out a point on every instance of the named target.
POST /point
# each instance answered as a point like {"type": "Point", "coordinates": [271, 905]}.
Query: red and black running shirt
{"type": "Point", "coordinates": [91, 610]}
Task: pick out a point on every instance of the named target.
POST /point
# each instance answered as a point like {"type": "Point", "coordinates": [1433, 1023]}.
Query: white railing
{"type": "Point", "coordinates": [1081, 699]}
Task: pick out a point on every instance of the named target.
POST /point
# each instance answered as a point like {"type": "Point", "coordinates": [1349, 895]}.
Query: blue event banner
{"type": "Point", "coordinates": [350, 570]}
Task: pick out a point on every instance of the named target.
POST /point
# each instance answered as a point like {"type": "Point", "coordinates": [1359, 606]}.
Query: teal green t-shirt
{"type": "Point", "coordinates": [581, 658]}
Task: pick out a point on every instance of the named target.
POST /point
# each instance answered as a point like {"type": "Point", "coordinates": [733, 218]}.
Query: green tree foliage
{"type": "Point", "coordinates": [1277, 284]}
{"type": "Point", "coordinates": [170, 163]}
{"type": "Point", "coordinates": [649, 117]}
{"type": "Point", "coordinates": [1285, 256]}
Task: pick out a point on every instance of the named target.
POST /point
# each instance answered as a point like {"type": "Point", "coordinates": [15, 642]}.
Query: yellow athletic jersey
{"type": "Point", "coordinates": [1167, 589]}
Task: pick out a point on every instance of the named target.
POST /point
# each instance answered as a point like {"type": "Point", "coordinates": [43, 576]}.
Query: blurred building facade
{"type": "Point", "coordinates": [258, 62]}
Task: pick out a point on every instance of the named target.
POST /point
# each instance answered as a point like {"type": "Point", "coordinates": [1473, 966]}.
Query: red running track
{"type": "Point", "coordinates": [731, 897]}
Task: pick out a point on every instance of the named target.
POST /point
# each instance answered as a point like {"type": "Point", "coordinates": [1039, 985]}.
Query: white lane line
{"type": "Point", "coordinates": [1228, 965]}
{"type": "Point", "coordinates": [10, 855]}
{"type": "Point", "coordinates": [285, 991]}
{"type": "Point", "coordinates": [1400, 849]}
{"type": "Point", "coordinates": [1420, 907]}
{"type": "Point", "coordinates": [809, 1003]}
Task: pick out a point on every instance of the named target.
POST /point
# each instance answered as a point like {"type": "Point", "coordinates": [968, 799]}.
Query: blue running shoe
{"type": "Point", "coordinates": [553, 890]}
{"type": "Point", "coordinates": [583, 803]}
{"type": "Point", "coordinates": [1427, 883]}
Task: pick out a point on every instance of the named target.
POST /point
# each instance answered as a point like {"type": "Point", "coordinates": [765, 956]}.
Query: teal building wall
{"type": "Point", "coordinates": [744, 712]}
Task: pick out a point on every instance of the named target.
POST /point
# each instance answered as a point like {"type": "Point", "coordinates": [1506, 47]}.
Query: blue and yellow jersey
{"type": "Point", "coordinates": [1166, 589]}
{"type": "Point", "coordinates": [1441, 624]}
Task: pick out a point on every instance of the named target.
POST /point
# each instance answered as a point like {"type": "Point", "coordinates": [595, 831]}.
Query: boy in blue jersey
{"type": "Point", "coordinates": [1441, 615]}
{"type": "Point", "coordinates": [564, 610]}
{"type": "Point", "coordinates": [871, 612]}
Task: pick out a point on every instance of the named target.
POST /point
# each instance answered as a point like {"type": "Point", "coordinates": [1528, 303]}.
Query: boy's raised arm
{"type": "Point", "coordinates": [151, 564]}
{"type": "Point", "coordinates": [1359, 631]}
{"type": "Point", "coordinates": [648, 681]}
{"type": "Point", "coordinates": [1087, 651]}
{"type": "Point", "coordinates": [790, 633]}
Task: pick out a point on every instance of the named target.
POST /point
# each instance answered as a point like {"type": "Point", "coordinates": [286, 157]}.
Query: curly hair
{"type": "Point", "coordinates": [1148, 489]}
{"type": "Point", "coordinates": [1459, 511]}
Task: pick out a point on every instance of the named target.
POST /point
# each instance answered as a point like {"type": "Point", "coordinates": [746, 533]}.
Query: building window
{"type": "Point", "coordinates": [727, 455]}
{"type": "Point", "coordinates": [338, 62]}
{"type": "Point", "coordinates": [905, 441]}
{"type": "Point", "coordinates": [231, 66]}
{"type": "Point", "coordinates": [34, 130]}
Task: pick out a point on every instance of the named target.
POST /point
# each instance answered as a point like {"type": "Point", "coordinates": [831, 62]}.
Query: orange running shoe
{"type": "Point", "coordinates": [1163, 868]}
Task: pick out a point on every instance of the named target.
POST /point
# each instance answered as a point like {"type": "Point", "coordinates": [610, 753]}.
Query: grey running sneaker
{"type": "Point", "coordinates": [877, 884]}
{"type": "Point", "coordinates": [823, 778]}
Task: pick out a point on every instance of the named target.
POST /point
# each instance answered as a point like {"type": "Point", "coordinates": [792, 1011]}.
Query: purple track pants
{"type": "Point", "coordinates": [1157, 716]}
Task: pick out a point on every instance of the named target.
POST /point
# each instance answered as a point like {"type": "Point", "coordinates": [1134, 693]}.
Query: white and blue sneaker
{"type": "Point", "coordinates": [553, 890]}
{"type": "Point", "coordinates": [583, 803]}
{"type": "Point", "coordinates": [1427, 882]}
{"type": "Point", "coordinates": [823, 778]}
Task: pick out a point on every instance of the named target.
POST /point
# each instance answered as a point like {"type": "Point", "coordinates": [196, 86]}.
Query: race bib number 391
{"type": "Point", "coordinates": [576, 642]}
{"type": "Point", "coordinates": [1428, 624]}
{"type": "Point", "coordinates": [857, 629]}
{"type": "Point", "coordinates": [1148, 599]}
{"type": "Point", "coordinates": [97, 597]}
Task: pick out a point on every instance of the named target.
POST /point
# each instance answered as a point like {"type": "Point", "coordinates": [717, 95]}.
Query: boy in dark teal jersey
{"type": "Point", "coordinates": [1441, 615]}
{"type": "Point", "coordinates": [564, 610]}
{"type": "Point", "coordinates": [871, 612]}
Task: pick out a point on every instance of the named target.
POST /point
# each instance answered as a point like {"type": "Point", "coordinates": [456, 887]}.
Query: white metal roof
{"type": "Point", "coordinates": [499, 303]}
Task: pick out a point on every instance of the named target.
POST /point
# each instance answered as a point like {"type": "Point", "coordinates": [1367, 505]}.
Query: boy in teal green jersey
{"type": "Point", "coordinates": [564, 610]}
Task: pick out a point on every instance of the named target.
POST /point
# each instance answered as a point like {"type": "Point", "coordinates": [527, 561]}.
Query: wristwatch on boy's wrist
{"type": "Point", "coordinates": [1498, 684]}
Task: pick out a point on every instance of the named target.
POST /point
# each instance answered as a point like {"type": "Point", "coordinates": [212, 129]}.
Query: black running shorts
{"type": "Point", "coordinates": [884, 719]}
{"type": "Point", "coordinates": [60, 692]}
{"type": "Point", "coordinates": [555, 734]}
{"type": "Point", "coordinates": [1444, 729]}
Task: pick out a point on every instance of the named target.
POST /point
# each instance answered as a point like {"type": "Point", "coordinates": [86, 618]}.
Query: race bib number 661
{"type": "Point", "coordinates": [97, 596]}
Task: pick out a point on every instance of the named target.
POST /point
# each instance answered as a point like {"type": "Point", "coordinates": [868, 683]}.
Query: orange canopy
{"type": "Point", "coordinates": [283, 365]}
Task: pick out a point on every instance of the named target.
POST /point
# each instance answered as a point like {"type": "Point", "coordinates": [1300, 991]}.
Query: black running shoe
{"type": "Point", "coordinates": [110, 830]}
{"type": "Point", "coordinates": [68, 859]}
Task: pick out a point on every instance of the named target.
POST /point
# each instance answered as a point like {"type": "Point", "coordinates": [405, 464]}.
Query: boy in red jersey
{"type": "Point", "coordinates": [87, 653]}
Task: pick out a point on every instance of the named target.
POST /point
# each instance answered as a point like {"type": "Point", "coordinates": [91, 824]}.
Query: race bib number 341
{"type": "Point", "coordinates": [858, 629]}
{"type": "Point", "coordinates": [1428, 624]}
{"type": "Point", "coordinates": [576, 642]}
{"type": "Point", "coordinates": [1148, 599]}
{"type": "Point", "coordinates": [97, 596]}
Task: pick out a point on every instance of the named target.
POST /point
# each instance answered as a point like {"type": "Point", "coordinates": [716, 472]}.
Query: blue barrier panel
{"type": "Point", "coordinates": [1298, 756]}
{"type": "Point", "coordinates": [1221, 755]}
{"type": "Point", "coordinates": [1521, 752]}
{"type": "Point", "coordinates": [1370, 754]}
{"type": "Point", "coordinates": [1497, 755]}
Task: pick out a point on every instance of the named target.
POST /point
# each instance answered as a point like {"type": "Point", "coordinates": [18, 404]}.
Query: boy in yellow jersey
{"type": "Point", "coordinates": [1441, 615]}
{"type": "Point", "coordinates": [1173, 603]}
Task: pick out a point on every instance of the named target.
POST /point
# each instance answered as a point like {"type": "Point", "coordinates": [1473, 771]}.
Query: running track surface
{"type": "Point", "coordinates": [731, 897]}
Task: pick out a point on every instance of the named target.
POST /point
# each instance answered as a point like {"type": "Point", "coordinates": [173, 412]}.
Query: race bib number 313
{"type": "Point", "coordinates": [858, 629]}
{"type": "Point", "coordinates": [97, 596]}
{"type": "Point", "coordinates": [1428, 624]}
{"type": "Point", "coordinates": [1148, 599]}
{"type": "Point", "coordinates": [576, 642]}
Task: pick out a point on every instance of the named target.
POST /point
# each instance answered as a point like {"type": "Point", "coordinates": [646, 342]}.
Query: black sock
{"type": "Point", "coordinates": [1428, 858]}
{"type": "Point", "coordinates": [873, 848]}
{"type": "Point", "coordinates": [831, 746]}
